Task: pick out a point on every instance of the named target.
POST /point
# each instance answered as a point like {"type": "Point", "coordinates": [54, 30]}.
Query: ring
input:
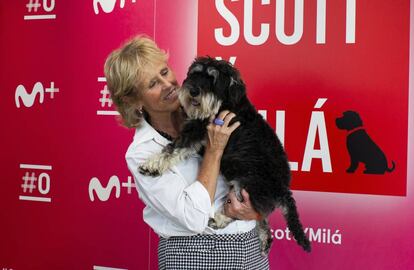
{"type": "Point", "coordinates": [218, 122]}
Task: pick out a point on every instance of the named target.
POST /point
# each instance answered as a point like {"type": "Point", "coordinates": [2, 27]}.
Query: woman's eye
{"type": "Point", "coordinates": [164, 72]}
{"type": "Point", "coordinates": [152, 84]}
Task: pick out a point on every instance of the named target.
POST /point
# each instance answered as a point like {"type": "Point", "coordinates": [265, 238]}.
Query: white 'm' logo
{"type": "Point", "coordinates": [104, 192]}
{"type": "Point", "coordinates": [28, 99]}
{"type": "Point", "coordinates": [106, 5]}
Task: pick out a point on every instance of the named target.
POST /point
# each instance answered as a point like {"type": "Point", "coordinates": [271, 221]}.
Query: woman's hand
{"type": "Point", "coordinates": [218, 136]}
{"type": "Point", "coordinates": [240, 210]}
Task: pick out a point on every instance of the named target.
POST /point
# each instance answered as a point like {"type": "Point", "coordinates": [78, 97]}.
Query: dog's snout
{"type": "Point", "coordinates": [194, 92]}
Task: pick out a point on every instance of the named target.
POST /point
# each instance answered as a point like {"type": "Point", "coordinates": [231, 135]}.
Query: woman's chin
{"type": "Point", "coordinates": [175, 105]}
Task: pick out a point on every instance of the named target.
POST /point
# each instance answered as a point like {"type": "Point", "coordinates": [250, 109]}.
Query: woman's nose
{"type": "Point", "coordinates": [165, 83]}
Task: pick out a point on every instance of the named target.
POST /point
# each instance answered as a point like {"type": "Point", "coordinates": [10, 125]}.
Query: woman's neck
{"type": "Point", "coordinates": [169, 123]}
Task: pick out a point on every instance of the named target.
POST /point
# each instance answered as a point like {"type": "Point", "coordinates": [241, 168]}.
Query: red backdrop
{"type": "Point", "coordinates": [67, 198]}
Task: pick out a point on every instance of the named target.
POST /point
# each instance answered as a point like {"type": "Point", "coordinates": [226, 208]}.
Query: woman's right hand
{"type": "Point", "coordinates": [218, 136]}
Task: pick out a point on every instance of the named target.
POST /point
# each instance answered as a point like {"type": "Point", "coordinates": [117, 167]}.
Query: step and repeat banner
{"type": "Point", "coordinates": [331, 77]}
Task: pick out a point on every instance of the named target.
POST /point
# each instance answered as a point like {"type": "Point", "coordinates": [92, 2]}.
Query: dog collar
{"type": "Point", "coordinates": [355, 129]}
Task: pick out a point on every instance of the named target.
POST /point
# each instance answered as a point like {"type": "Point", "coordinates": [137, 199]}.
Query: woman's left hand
{"type": "Point", "coordinates": [240, 210]}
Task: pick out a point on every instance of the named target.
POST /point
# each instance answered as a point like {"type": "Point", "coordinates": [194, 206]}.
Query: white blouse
{"type": "Point", "coordinates": [176, 203]}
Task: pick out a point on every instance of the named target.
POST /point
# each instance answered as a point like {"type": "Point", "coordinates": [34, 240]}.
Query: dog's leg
{"type": "Point", "coordinates": [265, 236]}
{"type": "Point", "coordinates": [158, 164]}
{"type": "Point", "coordinates": [188, 143]}
{"type": "Point", "coordinates": [220, 220]}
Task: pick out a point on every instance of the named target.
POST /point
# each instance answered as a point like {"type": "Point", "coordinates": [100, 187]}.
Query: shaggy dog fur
{"type": "Point", "coordinates": [254, 158]}
{"type": "Point", "coordinates": [361, 147]}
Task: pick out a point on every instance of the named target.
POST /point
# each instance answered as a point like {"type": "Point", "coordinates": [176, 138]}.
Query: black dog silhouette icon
{"type": "Point", "coordinates": [361, 147]}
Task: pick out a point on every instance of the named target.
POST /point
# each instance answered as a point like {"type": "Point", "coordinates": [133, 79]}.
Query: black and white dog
{"type": "Point", "coordinates": [253, 159]}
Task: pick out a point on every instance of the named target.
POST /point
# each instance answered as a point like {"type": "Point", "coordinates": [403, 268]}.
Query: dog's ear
{"type": "Point", "coordinates": [213, 72]}
{"type": "Point", "coordinates": [195, 68]}
{"type": "Point", "coordinates": [236, 89]}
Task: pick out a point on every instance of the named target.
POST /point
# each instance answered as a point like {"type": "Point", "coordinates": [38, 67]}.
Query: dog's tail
{"type": "Point", "coordinates": [292, 218]}
{"type": "Point", "coordinates": [392, 168]}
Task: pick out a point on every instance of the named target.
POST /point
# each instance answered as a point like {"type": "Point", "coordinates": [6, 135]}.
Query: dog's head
{"type": "Point", "coordinates": [349, 121]}
{"type": "Point", "coordinates": [210, 84]}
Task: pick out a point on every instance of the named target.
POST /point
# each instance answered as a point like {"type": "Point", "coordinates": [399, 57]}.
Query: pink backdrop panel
{"type": "Point", "coordinates": [78, 207]}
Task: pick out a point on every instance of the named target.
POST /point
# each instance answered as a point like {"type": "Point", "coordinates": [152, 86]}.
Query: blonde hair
{"type": "Point", "coordinates": [124, 70]}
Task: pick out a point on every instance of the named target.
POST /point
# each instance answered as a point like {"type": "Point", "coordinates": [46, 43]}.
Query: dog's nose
{"type": "Point", "coordinates": [194, 92]}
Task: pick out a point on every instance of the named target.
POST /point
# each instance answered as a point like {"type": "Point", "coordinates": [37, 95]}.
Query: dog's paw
{"type": "Point", "coordinates": [213, 224]}
{"type": "Point", "coordinates": [265, 245]}
{"type": "Point", "coordinates": [265, 238]}
{"type": "Point", "coordinates": [147, 170]}
{"type": "Point", "coordinates": [219, 221]}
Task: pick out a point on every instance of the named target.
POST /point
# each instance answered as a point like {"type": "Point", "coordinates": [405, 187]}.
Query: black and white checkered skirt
{"type": "Point", "coordinates": [212, 251]}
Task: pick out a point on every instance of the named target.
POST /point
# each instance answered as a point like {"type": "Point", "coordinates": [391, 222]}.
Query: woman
{"type": "Point", "coordinates": [180, 202]}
